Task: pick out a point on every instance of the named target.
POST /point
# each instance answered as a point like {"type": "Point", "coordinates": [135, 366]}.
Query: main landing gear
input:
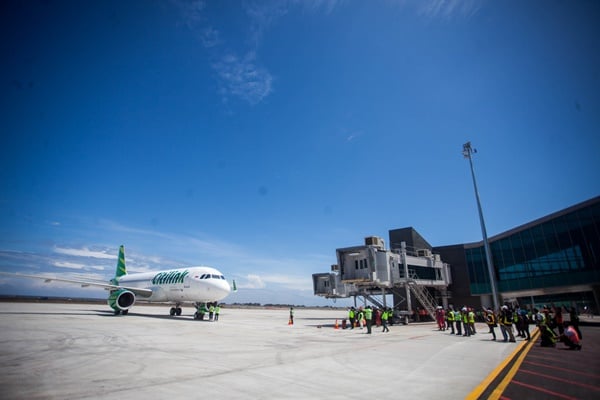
{"type": "Point", "coordinates": [175, 310]}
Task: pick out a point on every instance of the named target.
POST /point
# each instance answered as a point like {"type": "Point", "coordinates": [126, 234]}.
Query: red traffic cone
{"type": "Point", "coordinates": [336, 325]}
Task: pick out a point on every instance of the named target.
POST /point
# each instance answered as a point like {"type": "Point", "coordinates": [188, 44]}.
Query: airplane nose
{"type": "Point", "coordinates": [222, 288]}
{"type": "Point", "coordinates": [226, 287]}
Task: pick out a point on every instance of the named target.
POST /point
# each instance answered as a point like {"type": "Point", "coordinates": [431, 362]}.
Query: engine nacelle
{"type": "Point", "coordinates": [120, 300]}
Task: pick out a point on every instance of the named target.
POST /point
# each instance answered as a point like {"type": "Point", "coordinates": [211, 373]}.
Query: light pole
{"type": "Point", "coordinates": [467, 152]}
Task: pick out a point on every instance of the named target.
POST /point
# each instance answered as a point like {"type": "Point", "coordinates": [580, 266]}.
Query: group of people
{"type": "Point", "coordinates": [362, 317]}
{"type": "Point", "coordinates": [212, 309]}
{"type": "Point", "coordinates": [462, 322]}
{"type": "Point", "coordinates": [550, 318]}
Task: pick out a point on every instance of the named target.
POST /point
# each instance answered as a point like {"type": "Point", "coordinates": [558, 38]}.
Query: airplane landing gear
{"type": "Point", "coordinates": [200, 311]}
{"type": "Point", "coordinates": [175, 310]}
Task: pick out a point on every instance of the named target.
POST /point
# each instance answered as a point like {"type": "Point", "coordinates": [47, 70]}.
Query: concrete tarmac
{"type": "Point", "coordinates": [82, 351]}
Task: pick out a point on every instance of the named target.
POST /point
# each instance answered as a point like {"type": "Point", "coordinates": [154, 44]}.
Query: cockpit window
{"type": "Point", "coordinates": [210, 276]}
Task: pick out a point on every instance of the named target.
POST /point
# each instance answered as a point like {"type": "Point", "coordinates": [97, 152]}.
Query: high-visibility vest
{"type": "Point", "coordinates": [351, 314]}
{"type": "Point", "coordinates": [540, 319]}
{"type": "Point", "coordinates": [491, 319]}
{"type": "Point", "coordinates": [471, 317]}
{"type": "Point", "coordinates": [368, 313]}
{"type": "Point", "coordinates": [450, 316]}
{"type": "Point", "coordinates": [384, 316]}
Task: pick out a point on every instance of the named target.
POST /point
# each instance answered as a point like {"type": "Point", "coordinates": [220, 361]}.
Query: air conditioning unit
{"type": "Point", "coordinates": [375, 241]}
{"type": "Point", "coordinates": [424, 253]}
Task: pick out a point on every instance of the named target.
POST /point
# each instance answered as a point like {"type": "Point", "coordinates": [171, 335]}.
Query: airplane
{"type": "Point", "coordinates": [197, 285]}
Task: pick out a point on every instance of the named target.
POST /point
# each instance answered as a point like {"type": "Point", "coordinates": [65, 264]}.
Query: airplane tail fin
{"type": "Point", "coordinates": [121, 270]}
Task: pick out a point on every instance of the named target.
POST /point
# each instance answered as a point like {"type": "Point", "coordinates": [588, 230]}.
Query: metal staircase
{"type": "Point", "coordinates": [422, 294]}
{"type": "Point", "coordinates": [375, 300]}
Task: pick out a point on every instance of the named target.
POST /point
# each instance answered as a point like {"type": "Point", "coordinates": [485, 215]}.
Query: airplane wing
{"type": "Point", "coordinates": [84, 283]}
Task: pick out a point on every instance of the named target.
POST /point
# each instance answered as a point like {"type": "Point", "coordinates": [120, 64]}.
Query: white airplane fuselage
{"type": "Point", "coordinates": [181, 285]}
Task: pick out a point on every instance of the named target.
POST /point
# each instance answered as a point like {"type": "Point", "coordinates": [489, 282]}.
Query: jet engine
{"type": "Point", "coordinates": [121, 300]}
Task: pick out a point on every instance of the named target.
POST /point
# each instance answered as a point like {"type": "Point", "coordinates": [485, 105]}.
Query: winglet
{"type": "Point", "coordinates": [234, 286]}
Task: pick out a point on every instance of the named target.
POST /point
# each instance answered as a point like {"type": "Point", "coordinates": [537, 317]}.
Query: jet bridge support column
{"type": "Point", "coordinates": [405, 264]}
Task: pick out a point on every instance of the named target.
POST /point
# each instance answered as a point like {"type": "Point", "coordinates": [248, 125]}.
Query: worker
{"type": "Point", "coordinates": [464, 314]}
{"type": "Point", "coordinates": [574, 320]}
{"type": "Point", "coordinates": [547, 335]}
{"type": "Point", "coordinates": [211, 311]}
{"type": "Point", "coordinates": [440, 317]}
{"type": "Point", "coordinates": [351, 316]}
{"type": "Point", "coordinates": [361, 317]}
{"type": "Point", "coordinates": [524, 317]}
{"type": "Point", "coordinates": [471, 318]}
{"type": "Point", "coordinates": [458, 319]}
{"type": "Point", "coordinates": [506, 319]}
{"type": "Point", "coordinates": [491, 321]}
{"type": "Point", "coordinates": [386, 313]}
{"type": "Point", "coordinates": [368, 318]}
{"type": "Point", "coordinates": [217, 311]}
{"type": "Point", "coordinates": [450, 319]}
{"type": "Point", "coordinates": [291, 322]}
{"type": "Point", "coordinates": [570, 337]}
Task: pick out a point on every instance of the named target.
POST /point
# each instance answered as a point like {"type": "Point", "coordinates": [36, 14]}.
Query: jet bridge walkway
{"type": "Point", "coordinates": [372, 272]}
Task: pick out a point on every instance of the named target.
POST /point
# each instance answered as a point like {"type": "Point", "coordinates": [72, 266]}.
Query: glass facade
{"type": "Point", "coordinates": [563, 250]}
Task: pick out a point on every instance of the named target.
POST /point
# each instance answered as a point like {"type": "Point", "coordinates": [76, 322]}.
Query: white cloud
{"type": "Point", "coordinates": [449, 9]}
{"type": "Point", "coordinates": [210, 37]}
{"type": "Point", "coordinates": [241, 77]}
{"type": "Point", "coordinates": [290, 282]}
{"type": "Point", "coordinates": [254, 269]}
{"type": "Point", "coordinates": [262, 15]}
{"type": "Point", "coordinates": [252, 281]}
{"type": "Point", "coordinates": [85, 252]}
{"type": "Point", "coordinates": [70, 265]}
{"type": "Point", "coordinates": [191, 10]}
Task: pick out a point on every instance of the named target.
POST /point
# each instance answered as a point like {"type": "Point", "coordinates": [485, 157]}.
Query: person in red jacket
{"type": "Point", "coordinates": [440, 317]}
{"type": "Point", "coordinates": [570, 337]}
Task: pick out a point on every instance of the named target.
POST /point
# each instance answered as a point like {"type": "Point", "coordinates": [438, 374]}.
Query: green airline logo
{"type": "Point", "coordinates": [169, 277]}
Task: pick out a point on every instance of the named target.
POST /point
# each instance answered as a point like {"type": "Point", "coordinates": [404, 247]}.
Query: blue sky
{"type": "Point", "coordinates": [259, 136]}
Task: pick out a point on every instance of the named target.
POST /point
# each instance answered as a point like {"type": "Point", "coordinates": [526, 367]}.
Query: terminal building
{"type": "Point", "coordinates": [552, 260]}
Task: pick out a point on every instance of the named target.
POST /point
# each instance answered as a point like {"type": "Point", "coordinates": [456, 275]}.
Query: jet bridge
{"type": "Point", "coordinates": [370, 271]}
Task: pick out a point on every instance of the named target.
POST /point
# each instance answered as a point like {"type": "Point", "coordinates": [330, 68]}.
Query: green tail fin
{"type": "Point", "coordinates": [121, 270]}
